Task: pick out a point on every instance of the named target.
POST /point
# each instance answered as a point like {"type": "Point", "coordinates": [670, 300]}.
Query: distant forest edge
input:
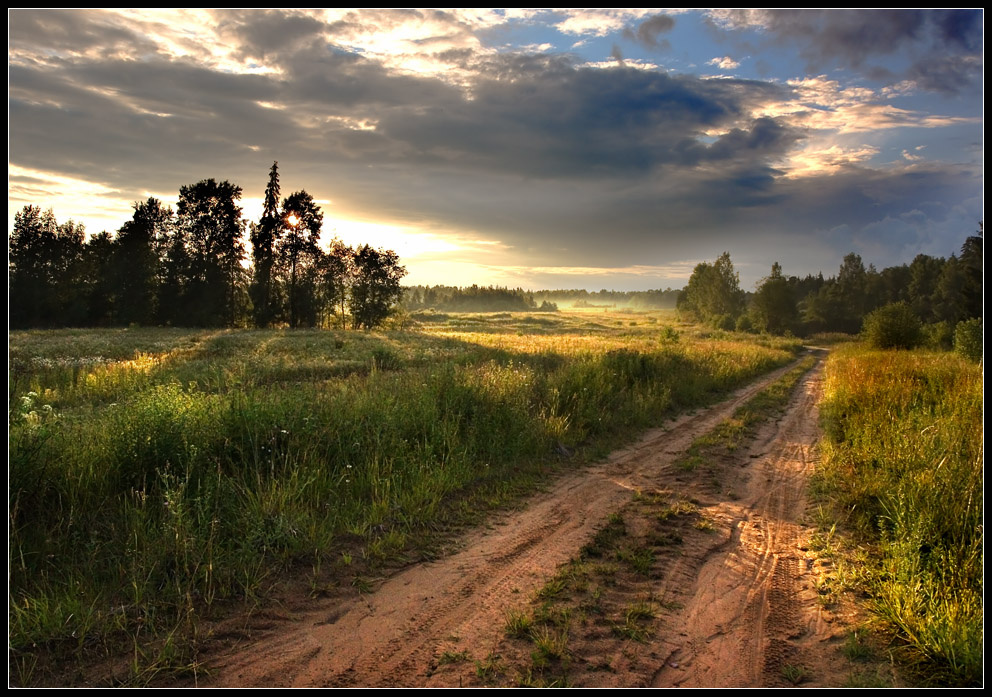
{"type": "Point", "coordinates": [497, 299]}
{"type": "Point", "coordinates": [191, 268]}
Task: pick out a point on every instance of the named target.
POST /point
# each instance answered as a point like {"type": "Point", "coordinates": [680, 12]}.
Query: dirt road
{"type": "Point", "coordinates": [739, 605]}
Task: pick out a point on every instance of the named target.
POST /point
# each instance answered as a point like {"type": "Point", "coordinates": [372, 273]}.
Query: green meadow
{"type": "Point", "coordinates": [155, 474]}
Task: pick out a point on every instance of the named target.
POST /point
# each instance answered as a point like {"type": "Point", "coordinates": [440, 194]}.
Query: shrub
{"type": "Point", "coordinates": [893, 326]}
{"type": "Point", "coordinates": [969, 339]}
{"type": "Point", "coordinates": [744, 324]}
{"type": "Point", "coordinates": [939, 336]}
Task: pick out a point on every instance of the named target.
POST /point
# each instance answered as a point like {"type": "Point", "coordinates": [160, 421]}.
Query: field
{"type": "Point", "coordinates": [156, 473]}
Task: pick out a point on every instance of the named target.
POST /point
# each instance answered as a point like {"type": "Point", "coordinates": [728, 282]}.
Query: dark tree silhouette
{"type": "Point", "coordinates": [210, 219]}
{"type": "Point", "coordinates": [376, 286]}
{"type": "Point", "coordinates": [264, 238]}
{"type": "Point", "coordinates": [137, 262]}
{"type": "Point", "coordinates": [300, 256]}
{"type": "Point", "coordinates": [44, 267]}
{"type": "Point", "coordinates": [774, 305]}
{"type": "Point", "coordinates": [713, 292]}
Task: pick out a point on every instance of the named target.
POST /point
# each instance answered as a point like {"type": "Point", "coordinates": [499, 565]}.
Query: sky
{"type": "Point", "coordinates": [559, 148]}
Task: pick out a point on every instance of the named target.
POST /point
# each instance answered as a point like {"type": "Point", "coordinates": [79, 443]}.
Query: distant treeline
{"type": "Point", "coordinates": [497, 299]}
{"type": "Point", "coordinates": [190, 267]}
{"type": "Point", "coordinates": [936, 292]}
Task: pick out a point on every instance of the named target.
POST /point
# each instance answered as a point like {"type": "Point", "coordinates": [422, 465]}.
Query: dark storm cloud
{"type": "Point", "coordinates": [589, 123]}
{"type": "Point", "coordinates": [551, 120]}
{"type": "Point", "coordinates": [69, 31]}
{"type": "Point", "coordinates": [947, 74]}
{"type": "Point", "coordinates": [647, 31]}
{"type": "Point", "coordinates": [264, 33]}
{"type": "Point", "coordinates": [568, 162]}
{"type": "Point", "coordinates": [943, 45]}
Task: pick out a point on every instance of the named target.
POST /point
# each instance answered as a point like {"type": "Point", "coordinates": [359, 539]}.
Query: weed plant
{"type": "Point", "coordinates": [903, 458]}
{"type": "Point", "coordinates": [153, 472]}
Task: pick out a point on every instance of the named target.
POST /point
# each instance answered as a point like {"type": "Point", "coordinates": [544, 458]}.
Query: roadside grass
{"type": "Point", "coordinates": [156, 472]}
{"type": "Point", "coordinates": [903, 473]}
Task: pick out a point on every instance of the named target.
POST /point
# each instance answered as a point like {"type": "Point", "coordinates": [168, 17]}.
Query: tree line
{"type": "Point", "coordinates": [188, 267]}
{"type": "Point", "coordinates": [939, 293]}
{"type": "Point", "coordinates": [497, 299]}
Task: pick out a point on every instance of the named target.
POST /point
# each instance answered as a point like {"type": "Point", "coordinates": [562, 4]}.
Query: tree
{"type": "Point", "coordinates": [210, 219]}
{"type": "Point", "coordinates": [264, 238]}
{"type": "Point", "coordinates": [973, 269]}
{"type": "Point", "coordinates": [376, 286]}
{"type": "Point", "coordinates": [774, 305]}
{"type": "Point", "coordinates": [338, 274]}
{"type": "Point", "coordinates": [44, 265]}
{"type": "Point", "coordinates": [894, 326]}
{"type": "Point", "coordinates": [136, 262]}
{"type": "Point", "coordinates": [300, 256]}
{"type": "Point", "coordinates": [713, 293]}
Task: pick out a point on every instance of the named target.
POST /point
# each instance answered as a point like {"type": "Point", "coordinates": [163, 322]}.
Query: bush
{"type": "Point", "coordinates": [744, 324]}
{"type": "Point", "coordinates": [969, 339]}
{"type": "Point", "coordinates": [894, 326]}
{"type": "Point", "coordinates": [939, 336]}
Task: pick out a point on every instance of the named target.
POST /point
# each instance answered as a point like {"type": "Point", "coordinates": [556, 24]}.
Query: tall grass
{"type": "Point", "coordinates": [191, 467]}
{"type": "Point", "coordinates": [904, 456]}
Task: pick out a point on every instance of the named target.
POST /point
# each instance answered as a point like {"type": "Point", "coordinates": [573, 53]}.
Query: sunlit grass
{"type": "Point", "coordinates": [153, 472]}
{"type": "Point", "coordinates": [904, 459]}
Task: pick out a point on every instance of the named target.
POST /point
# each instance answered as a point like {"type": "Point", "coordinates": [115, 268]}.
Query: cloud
{"type": "Point", "coordinates": [558, 160]}
{"type": "Point", "coordinates": [647, 32]}
{"type": "Point", "coordinates": [944, 45]}
{"type": "Point", "coordinates": [725, 63]}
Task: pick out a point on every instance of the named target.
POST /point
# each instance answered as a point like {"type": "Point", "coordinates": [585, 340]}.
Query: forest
{"type": "Point", "coordinates": [923, 302]}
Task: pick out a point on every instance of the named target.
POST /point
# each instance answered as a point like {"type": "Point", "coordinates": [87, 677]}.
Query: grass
{"type": "Point", "coordinates": [154, 472]}
{"type": "Point", "coordinates": [904, 471]}
{"type": "Point", "coordinates": [795, 674]}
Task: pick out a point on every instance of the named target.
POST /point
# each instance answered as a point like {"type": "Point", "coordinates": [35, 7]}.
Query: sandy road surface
{"type": "Point", "coordinates": [746, 607]}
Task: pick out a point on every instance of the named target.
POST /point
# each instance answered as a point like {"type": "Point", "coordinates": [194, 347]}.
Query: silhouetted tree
{"type": "Point", "coordinates": [137, 262]}
{"type": "Point", "coordinates": [210, 220]}
{"type": "Point", "coordinates": [44, 267]}
{"type": "Point", "coordinates": [338, 273]}
{"type": "Point", "coordinates": [299, 257]}
{"type": "Point", "coordinates": [973, 269]}
{"type": "Point", "coordinates": [99, 261]}
{"type": "Point", "coordinates": [376, 286]}
{"type": "Point", "coordinates": [264, 239]}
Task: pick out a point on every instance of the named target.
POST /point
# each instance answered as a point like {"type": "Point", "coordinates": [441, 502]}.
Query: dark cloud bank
{"type": "Point", "coordinates": [574, 163]}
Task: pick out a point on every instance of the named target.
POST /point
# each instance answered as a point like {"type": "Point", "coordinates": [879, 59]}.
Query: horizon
{"type": "Point", "coordinates": [540, 149]}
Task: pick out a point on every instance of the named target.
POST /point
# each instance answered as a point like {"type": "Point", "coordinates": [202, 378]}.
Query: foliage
{"type": "Point", "coordinates": [376, 285]}
{"type": "Point", "coordinates": [300, 258]}
{"type": "Point", "coordinates": [969, 339]}
{"type": "Point", "coordinates": [893, 326]}
{"type": "Point", "coordinates": [773, 306]}
{"type": "Point", "coordinates": [209, 218]}
{"type": "Point", "coordinates": [185, 268]}
{"type": "Point", "coordinates": [713, 292]}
